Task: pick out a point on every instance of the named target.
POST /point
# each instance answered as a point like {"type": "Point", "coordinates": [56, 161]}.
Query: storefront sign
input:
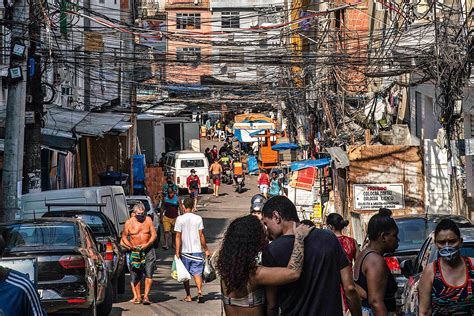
{"type": "Point", "coordinates": [375, 196]}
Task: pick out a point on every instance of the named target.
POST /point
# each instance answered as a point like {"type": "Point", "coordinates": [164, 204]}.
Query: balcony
{"type": "Point", "coordinates": [187, 4]}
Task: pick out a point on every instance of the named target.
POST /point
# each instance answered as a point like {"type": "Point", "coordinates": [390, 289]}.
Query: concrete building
{"type": "Point", "coordinates": [188, 59]}
{"type": "Point", "coordinates": [241, 54]}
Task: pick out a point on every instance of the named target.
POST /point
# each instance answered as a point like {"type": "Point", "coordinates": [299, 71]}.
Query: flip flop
{"type": "Point", "coordinates": [137, 302]}
{"type": "Point", "coordinates": [146, 302]}
{"type": "Point", "coordinates": [187, 300]}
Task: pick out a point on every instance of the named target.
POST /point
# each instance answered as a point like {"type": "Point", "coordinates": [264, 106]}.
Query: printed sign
{"type": "Point", "coordinates": [375, 196]}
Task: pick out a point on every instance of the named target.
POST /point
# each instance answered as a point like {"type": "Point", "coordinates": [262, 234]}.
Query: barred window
{"type": "Point", "coordinates": [230, 19]}
{"type": "Point", "coordinates": [188, 21]}
{"type": "Point", "coordinates": [189, 54]}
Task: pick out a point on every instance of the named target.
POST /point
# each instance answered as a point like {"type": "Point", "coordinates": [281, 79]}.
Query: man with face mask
{"type": "Point", "coordinates": [138, 237]}
{"type": "Point", "coordinates": [169, 184]}
{"type": "Point", "coordinates": [447, 285]}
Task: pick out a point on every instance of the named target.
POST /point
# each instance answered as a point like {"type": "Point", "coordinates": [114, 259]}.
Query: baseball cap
{"type": "Point", "coordinates": [257, 202]}
{"type": "Point", "coordinates": [193, 171]}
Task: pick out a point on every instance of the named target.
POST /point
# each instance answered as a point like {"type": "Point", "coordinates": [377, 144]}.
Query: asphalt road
{"type": "Point", "coordinates": [166, 294]}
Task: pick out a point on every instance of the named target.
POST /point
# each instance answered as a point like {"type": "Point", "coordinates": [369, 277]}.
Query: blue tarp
{"type": "Point", "coordinates": [285, 146]}
{"type": "Point", "coordinates": [252, 164]}
{"type": "Point", "coordinates": [138, 171]}
{"type": "Point", "coordinates": [319, 163]}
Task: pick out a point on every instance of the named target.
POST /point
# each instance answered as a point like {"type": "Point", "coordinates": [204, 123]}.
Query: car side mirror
{"type": "Point", "coordinates": [407, 267]}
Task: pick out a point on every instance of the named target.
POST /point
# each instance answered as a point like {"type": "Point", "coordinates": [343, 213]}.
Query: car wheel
{"type": "Point", "coordinates": [121, 282]}
{"type": "Point", "coordinates": [106, 307]}
{"type": "Point", "coordinates": [91, 310]}
{"type": "Point", "coordinates": [115, 289]}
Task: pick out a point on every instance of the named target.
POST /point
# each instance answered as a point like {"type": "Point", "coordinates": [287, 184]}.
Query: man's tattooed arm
{"type": "Point", "coordinates": [297, 256]}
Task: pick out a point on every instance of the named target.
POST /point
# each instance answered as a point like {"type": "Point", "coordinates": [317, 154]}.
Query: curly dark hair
{"type": "Point", "coordinates": [244, 239]}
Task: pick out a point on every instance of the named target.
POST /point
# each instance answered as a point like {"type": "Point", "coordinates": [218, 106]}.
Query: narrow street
{"type": "Point", "coordinates": [166, 294]}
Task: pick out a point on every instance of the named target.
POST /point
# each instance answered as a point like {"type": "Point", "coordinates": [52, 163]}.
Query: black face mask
{"type": "Point", "coordinates": [140, 218]}
{"type": "Point", "coordinates": [170, 182]}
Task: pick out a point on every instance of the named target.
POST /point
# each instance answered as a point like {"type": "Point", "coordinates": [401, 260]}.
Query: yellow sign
{"type": "Point", "coordinates": [318, 211]}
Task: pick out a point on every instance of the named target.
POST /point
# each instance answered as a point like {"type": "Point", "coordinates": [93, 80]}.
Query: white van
{"type": "Point", "coordinates": [179, 164]}
{"type": "Point", "coordinates": [34, 204]}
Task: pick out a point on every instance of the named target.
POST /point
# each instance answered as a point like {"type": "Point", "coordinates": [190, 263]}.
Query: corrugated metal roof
{"type": "Point", "coordinates": [60, 121]}
{"type": "Point", "coordinates": [339, 156]}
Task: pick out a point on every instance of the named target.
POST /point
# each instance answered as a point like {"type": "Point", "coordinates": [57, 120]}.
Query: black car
{"type": "Point", "coordinates": [71, 274]}
{"type": "Point", "coordinates": [412, 269]}
{"type": "Point", "coordinates": [105, 233]}
{"type": "Point", "coordinates": [412, 232]}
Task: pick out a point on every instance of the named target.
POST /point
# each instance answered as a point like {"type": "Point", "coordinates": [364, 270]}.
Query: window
{"type": "Point", "coordinates": [230, 20]}
{"type": "Point", "coordinates": [38, 235]}
{"type": "Point", "coordinates": [192, 163]}
{"type": "Point", "coordinates": [188, 54]}
{"type": "Point", "coordinates": [96, 222]}
{"type": "Point", "coordinates": [122, 209]}
{"type": "Point", "coordinates": [188, 21]}
{"type": "Point", "coordinates": [109, 208]}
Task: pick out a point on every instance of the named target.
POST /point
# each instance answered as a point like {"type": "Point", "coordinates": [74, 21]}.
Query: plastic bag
{"type": "Point", "coordinates": [181, 271]}
{"type": "Point", "coordinates": [174, 273]}
{"type": "Point", "coordinates": [209, 273]}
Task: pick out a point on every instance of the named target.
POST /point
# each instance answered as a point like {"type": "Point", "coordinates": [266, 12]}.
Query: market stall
{"type": "Point", "coordinates": [309, 181]}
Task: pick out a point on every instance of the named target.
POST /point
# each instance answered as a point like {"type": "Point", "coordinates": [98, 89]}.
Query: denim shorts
{"type": "Point", "coordinates": [194, 262]}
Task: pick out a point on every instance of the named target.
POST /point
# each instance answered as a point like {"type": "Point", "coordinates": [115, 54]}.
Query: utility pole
{"type": "Point", "coordinates": [87, 60]}
{"type": "Point", "coordinates": [34, 104]}
{"type": "Point", "coordinates": [16, 18]}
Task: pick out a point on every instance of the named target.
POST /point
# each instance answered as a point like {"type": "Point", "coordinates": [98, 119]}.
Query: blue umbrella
{"type": "Point", "coordinates": [285, 146]}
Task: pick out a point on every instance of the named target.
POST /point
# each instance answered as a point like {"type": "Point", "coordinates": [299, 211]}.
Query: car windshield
{"type": "Point", "coordinates": [412, 233]}
{"type": "Point", "coordinates": [40, 235]}
{"type": "Point", "coordinates": [132, 203]}
{"type": "Point", "coordinates": [95, 221]}
{"type": "Point", "coordinates": [192, 163]}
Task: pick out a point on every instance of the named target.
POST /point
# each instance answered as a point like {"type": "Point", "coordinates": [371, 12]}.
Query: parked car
{"type": "Point", "coordinates": [412, 231]}
{"type": "Point", "coordinates": [412, 269]}
{"type": "Point", "coordinates": [33, 205]}
{"type": "Point", "coordinates": [178, 164]}
{"type": "Point", "coordinates": [134, 199]}
{"type": "Point", "coordinates": [71, 273]}
{"type": "Point", "coordinates": [105, 234]}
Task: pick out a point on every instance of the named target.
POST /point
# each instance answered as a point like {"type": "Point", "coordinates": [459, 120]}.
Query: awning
{"type": "Point", "coordinates": [285, 146]}
{"type": "Point", "coordinates": [318, 163]}
{"type": "Point", "coordinates": [252, 117]}
{"type": "Point", "coordinates": [339, 156]}
{"type": "Point", "coordinates": [254, 125]}
{"type": "Point", "coordinates": [66, 123]}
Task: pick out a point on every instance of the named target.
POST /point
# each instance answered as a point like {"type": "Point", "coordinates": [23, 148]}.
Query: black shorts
{"type": "Point", "coordinates": [136, 275]}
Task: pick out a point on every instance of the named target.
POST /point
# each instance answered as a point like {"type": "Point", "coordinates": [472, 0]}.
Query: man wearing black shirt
{"type": "Point", "coordinates": [325, 268]}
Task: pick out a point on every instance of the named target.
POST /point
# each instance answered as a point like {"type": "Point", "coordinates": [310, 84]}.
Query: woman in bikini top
{"type": "Point", "coordinates": [242, 279]}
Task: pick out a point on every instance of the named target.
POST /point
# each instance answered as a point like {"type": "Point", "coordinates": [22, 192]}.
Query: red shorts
{"type": "Point", "coordinates": [216, 179]}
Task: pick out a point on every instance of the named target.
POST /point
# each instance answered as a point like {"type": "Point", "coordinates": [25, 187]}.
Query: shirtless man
{"type": "Point", "coordinates": [216, 170]}
{"type": "Point", "coordinates": [138, 237]}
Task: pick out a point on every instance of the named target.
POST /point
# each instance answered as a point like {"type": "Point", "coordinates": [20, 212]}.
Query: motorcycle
{"type": "Point", "coordinates": [226, 174]}
{"type": "Point", "coordinates": [240, 183]}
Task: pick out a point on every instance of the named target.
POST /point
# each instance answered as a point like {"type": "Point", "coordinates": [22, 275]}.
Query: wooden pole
{"type": "Point", "coordinates": [89, 162]}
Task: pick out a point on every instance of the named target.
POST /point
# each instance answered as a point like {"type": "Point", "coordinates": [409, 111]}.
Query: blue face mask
{"type": "Point", "coordinates": [448, 253]}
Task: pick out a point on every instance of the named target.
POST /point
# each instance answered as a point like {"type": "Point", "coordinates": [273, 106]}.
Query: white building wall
{"type": "Point", "coordinates": [254, 46]}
